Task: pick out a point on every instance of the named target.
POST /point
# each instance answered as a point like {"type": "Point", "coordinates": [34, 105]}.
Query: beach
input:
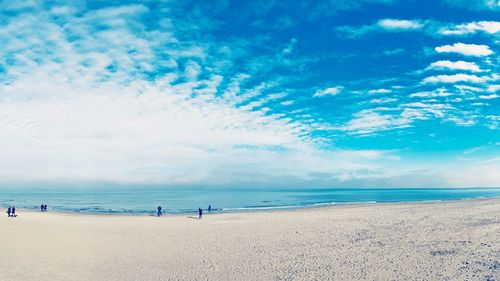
{"type": "Point", "coordinates": [456, 240]}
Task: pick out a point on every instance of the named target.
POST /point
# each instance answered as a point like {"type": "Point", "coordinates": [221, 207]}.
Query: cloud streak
{"type": "Point", "coordinates": [429, 27]}
{"type": "Point", "coordinates": [489, 27]}
{"type": "Point", "coordinates": [332, 91]}
{"type": "Point", "coordinates": [455, 65]}
{"type": "Point", "coordinates": [474, 50]}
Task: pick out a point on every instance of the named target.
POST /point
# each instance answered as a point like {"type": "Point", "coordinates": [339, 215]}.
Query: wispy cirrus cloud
{"type": "Point", "coordinates": [368, 122]}
{"type": "Point", "coordinates": [455, 65]}
{"type": "Point", "coordinates": [428, 26]}
{"type": "Point", "coordinates": [489, 27]}
{"type": "Point", "coordinates": [332, 91]}
{"type": "Point", "coordinates": [476, 5]}
{"type": "Point", "coordinates": [388, 25]}
{"type": "Point", "coordinates": [374, 121]}
{"type": "Point", "coordinates": [493, 88]}
{"type": "Point", "coordinates": [379, 91]}
{"type": "Point", "coordinates": [398, 24]}
{"type": "Point", "coordinates": [440, 92]}
{"type": "Point", "coordinates": [460, 77]}
{"type": "Point", "coordinates": [489, 97]}
{"type": "Point", "coordinates": [102, 97]}
{"type": "Point", "coordinates": [80, 96]}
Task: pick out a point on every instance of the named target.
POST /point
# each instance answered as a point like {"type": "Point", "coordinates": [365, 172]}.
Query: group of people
{"type": "Point", "coordinates": [11, 212]}
{"type": "Point", "coordinates": [200, 211]}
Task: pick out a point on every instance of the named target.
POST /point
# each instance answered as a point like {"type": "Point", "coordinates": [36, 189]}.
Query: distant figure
{"type": "Point", "coordinates": [8, 212]}
{"type": "Point", "coordinates": [209, 208]}
{"type": "Point", "coordinates": [13, 211]}
{"type": "Point", "coordinates": [42, 207]}
{"type": "Point", "coordinates": [159, 213]}
{"type": "Point", "coordinates": [200, 213]}
{"type": "Point", "coordinates": [45, 207]}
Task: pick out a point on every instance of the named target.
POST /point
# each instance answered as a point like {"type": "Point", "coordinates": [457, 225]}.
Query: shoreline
{"type": "Point", "coordinates": [258, 210]}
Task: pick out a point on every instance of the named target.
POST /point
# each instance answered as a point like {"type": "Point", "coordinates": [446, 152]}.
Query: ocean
{"type": "Point", "coordinates": [141, 200]}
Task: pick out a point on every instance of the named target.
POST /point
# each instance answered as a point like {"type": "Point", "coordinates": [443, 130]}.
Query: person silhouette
{"type": "Point", "coordinates": [41, 208]}
{"type": "Point", "coordinates": [159, 213]}
{"type": "Point", "coordinates": [200, 213]}
{"type": "Point", "coordinates": [9, 211]}
{"type": "Point", "coordinates": [45, 207]}
{"type": "Point", "coordinates": [209, 208]}
{"type": "Point", "coordinates": [13, 211]}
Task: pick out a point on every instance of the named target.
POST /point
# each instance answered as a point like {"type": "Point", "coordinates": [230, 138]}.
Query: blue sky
{"type": "Point", "coordinates": [360, 93]}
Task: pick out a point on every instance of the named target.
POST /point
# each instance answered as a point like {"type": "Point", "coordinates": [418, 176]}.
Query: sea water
{"type": "Point", "coordinates": [143, 200]}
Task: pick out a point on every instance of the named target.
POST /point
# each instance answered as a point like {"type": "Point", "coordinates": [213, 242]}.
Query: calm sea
{"type": "Point", "coordinates": [184, 200]}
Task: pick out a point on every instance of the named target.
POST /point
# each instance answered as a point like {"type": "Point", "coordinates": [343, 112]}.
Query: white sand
{"type": "Point", "coordinates": [423, 241]}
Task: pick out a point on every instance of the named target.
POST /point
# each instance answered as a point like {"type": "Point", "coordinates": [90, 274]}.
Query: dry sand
{"type": "Point", "coordinates": [421, 241]}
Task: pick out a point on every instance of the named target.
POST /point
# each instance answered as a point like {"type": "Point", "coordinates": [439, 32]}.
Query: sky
{"type": "Point", "coordinates": [335, 93]}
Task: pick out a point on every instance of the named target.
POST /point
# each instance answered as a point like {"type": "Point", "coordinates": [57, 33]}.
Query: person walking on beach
{"type": "Point", "coordinates": [159, 213]}
{"type": "Point", "coordinates": [13, 211]}
{"type": "Point", "coordinates": [200, 213]}
{"type": "Point", "coordinates": [45, 208]}
{"type": "Point", "coordinates": [41, 208]}
{"type": "Point", "coordinates": [209, 208]}
{"type": "Point", "coordinates": [8, 212]}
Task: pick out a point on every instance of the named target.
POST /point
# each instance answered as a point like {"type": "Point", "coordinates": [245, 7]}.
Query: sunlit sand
{"type": "Point", "coordinates": [410, 241]}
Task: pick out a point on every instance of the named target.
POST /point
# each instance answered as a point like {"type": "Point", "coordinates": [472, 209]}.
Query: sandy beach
{"type": "Point", "coordinates": [412, 241]}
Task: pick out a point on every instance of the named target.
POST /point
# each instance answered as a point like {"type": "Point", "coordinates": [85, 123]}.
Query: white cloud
{"type": "Point", "coordinates": [428, 27]}
{"type": "Point", "coordinates": [393, 52]}
{"type": "Point", "coordinates": [332, 91]}
{"type": "Point", "coordinates": [83, 108]}
{"type": "Point", "coordinates": [493, 117]}
{"type": "Point", "coordinates": [461, 121]}
{"type": "Point", "coordinates": [397, 24]}
{"type": "Point", "coordinates": [388, 25]}
{"type": "Point", "coordinates": [455, 65]}
{"type": "Point", "coordinates": [379, 91]}
{"type": "Point", "coordinates": [456, 78]}
{"type": "Point", "coordinates": [287, 103]}
{"type": "Point", "coordinates": [290, 47]}
{"type": "Point", "coordinates": [466, 88]}
{"type": "Point", "coordinates": [384, 100]}
{"type": "Point", "coordinates": [473, 175]}
{"type": "Point", "coordinates": [192, 70]}
{"type": "Point", "coordinates": [370, 121]}
{"type": "Point", "coordinates": [367, 122]}
{"type": "Point", "coordinates": [441, 92]}
{"type": "Point", "coordinates": [493, 88]}
{"type": "Point", "coordinates": [490, 27]}
{"type": "Point", "coordinates": [465, 49]}
{"type": "Point", "coordinates": [109, 132]}
{"type": "Point", "coordinates": [477, 4]}
{"type": "Point", "coordinates": [489, 97]}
